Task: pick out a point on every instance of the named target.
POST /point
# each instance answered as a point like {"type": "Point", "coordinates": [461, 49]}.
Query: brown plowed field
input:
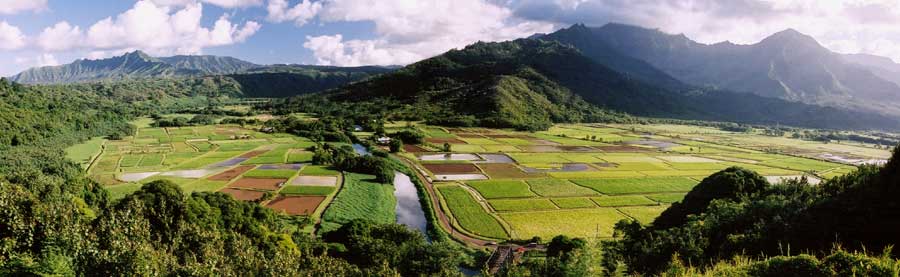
{"type": "Point", "coordinates": [258, 183]}
{"type": "Point", "coordinates": [451, 168]}
{"type": "Point", "coordinates": [231, 173]}
{"type": "Point", "coordinates": [414, 148]}
{"type": "Point", "coordinates": [296, 205]}
{"type": "Point", "coordinates": [243, 195]}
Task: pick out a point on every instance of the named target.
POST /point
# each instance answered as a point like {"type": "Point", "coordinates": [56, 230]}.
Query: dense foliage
{"type": "Point", "coordinates": [735, 212]}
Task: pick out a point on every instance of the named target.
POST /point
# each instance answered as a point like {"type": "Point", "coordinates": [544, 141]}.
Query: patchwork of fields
{"type": "Point", "coordinates": [580, 180]}
{"type": "Point", "coordinates": [272, 169]}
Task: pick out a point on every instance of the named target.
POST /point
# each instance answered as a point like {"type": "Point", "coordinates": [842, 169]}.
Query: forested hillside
{"type": "Point", "coordinates": [528, 84]}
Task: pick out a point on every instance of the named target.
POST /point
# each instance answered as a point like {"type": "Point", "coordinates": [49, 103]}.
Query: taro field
{"type": "Point", "coordinates": [580, 180]}
{"type": "Point", "coordinates": [271, 169]}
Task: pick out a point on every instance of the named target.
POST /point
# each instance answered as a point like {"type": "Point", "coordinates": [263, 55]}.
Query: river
{"type": "Point", "coordinates": [409, 209]}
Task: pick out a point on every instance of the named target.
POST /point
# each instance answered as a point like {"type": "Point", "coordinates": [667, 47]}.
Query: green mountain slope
{"type": "Point", "coordinates": [787, 65]}
{"type": "Point", "coordinates": [129, 66]}
{"type": "Point", "coordinates": [133, 65]}
{"type": "Point", "coordinates": [529, 83]}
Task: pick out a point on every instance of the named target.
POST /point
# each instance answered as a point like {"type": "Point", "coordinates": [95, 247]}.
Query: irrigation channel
{"type": "Point", "coordinates": [409, 209]}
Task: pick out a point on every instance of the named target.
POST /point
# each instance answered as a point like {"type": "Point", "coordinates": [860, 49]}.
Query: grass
{"type": "Point", "coordinates": [501, 189]}
{"type": "Point", "coordinates": [558, 187]}
{"type": "Point", "coordinates": [467, 148]}
{"type": "Point", "coordinates": [518, 205]}
{"type": "Point", "coordinates": [130, 161]}
{"type": "Point", "coordinates": [585, 223]}
{"type": "Point", "coordinates": [307, 190]}
{"type": "Point", "coordinates": [177, 158]}
{"type": "Point", "coordinates": [151, 160]}
{"type": "Point", "coordinates": [471, 215]}
{"type": "Point", "coordinates": [644, 214]}
{"type": "Point", "coordinates": [801, 164]}
{"type": "Point", "coordinates": [480, 141]}
{"type": "Point", "coordinates": [638, 185]}
{"type": "Point", "coordinates": [361, 198]}
{"type": "Point", "coordinates": [667, 198]}
{"type": "Point", "coordinates": [265, 160]}
{"type": "Point", "coordinates": [574, 203]}
{"type": "Point", "coordinates": [623, 200]}
{"type": "Point", "coordinates": [596, 174]}
{"type": "Point", "coordinates": [300, 157]}
{"type": "Point", "coordinates": [83, 153]}
{"type": "Point", "coordinates": [318, 170]}
{"type": "Point", "coordinates": [203, 185]}
{"type": "Point", "coordinates": [271, 173]}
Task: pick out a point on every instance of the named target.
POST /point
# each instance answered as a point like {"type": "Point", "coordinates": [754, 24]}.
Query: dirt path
{"type": "Point", "coordinates": [442, 217]}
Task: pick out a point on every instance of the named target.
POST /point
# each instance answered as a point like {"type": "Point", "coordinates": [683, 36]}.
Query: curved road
{"type": "Point", "coordinates": [442, 217]}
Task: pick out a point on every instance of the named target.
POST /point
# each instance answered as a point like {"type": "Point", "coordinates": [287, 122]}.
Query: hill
{"type": "Point", "coordinates": [788, 65]}
{"type": "Point", "coordinates": [529, 83]}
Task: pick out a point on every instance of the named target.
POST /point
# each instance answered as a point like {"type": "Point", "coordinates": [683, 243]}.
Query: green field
{"type": "Point", "coordinates": [623, 200]}
{"type": "Point", "coordinates": [574, 203]}
{"type": "Point", "coordinates": [644, 214]}
{"type": "Point", "coordinates": [83, 153]}
{"type": "Point", "coordinates": [361, 198]}
{"type": "Point", "coordinates": [638, 185]}
{"type": "Point", "coordinates": [318, 170]}
{"type": "Point", "coordinates": [586, 223]}
{"type": "Point", "coordinates": [558, 187]}
{"type": "Point", "coordinates": [518, 205]}
{"type": "Point", "coordinates": [470, 214]}
{"type": "Point", "coordinates": [307, 190]}
{"type": "Point", "coordinates": [271, 173]}
{"type": "Point", "coordinates": [501, 189]}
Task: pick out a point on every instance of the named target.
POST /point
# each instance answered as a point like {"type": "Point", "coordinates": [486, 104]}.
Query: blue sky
{"type": "Point", "coordinates": [397, 32]}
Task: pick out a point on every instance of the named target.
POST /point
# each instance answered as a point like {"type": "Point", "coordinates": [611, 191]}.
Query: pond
{"type": "Point", "coordinates": [409, 209]}
{"type": "Point", "coordinates": [450, 157]}
{"type": "Point", "coordinates": [360, 149]}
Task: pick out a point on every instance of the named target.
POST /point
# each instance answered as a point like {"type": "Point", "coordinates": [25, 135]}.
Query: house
{"type": "Point", "coordinates": [383, 140]}
{"type": "Point", "coordinates": [267, 130]}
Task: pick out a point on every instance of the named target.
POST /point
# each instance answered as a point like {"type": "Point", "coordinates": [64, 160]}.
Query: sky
{"type": "Point", "coordinates": [399, 32]}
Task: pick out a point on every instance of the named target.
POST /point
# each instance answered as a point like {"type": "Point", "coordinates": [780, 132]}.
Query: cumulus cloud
{"type": "Point", "coordinates": [157, 29]}
{"type": "Point", "coordinates": [61, 36]}
{"type": "Point", "coordinates": [408, 31]}
{"type": "Point", "coordinates": [17, 6]}
{"type": "Point", "coordinates": [842, 25]}
{"type": "Point", "coordinates": [45, 59]}
{"type": "Point", "coordinates": [279, 11]}
{"type": "Point", "coordinates": [220, 3]}
{"type": "Point", "coordinates": [11, 37]}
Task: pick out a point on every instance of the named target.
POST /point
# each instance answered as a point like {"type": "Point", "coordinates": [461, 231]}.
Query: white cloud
{"type": "Point", "coordinates": [17, 6]}
{"type": "Point", "coordinates": [234, 3]}
{"type": "Point", "coordinates": [44, 59]}
{"type": "Point", "coordinates": [160, 30]}
{"type": "Point", "coordinates": [868, 26]}
{"type": "Point", "coordinates": [221, 3]}
{"type": "Point", "coordinates": [305, 10]}
{"type": "Point", "coordinates": [408, 31]}
{"type": "Point", "coordinates": [11, 38]}
{"type": "Point", "coordinates": [61, 36]}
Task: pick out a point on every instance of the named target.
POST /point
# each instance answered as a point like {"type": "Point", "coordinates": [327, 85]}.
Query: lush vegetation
{"type": "Point", "coordinates": [738, 213]}
{"type": "Point", "coordinates": [361, 198]}
{"type": "Point", "coordinates": [470, 214]}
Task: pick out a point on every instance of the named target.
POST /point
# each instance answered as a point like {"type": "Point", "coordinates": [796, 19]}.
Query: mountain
{"type": "Point", "coordinates": [530, 83]}
{"type": "Point", "coordinates": [209, 64]}
{"type": "Point", "coordinates": [133, 65]}
{"type": "Point", "coordinates": [291, 80]}
{"type": "Point", "coordinates": [594, 47]}
{"type": "Point", "coordinates": [880, 66]}
{"type": "Point", "coordinates": [787, 65]}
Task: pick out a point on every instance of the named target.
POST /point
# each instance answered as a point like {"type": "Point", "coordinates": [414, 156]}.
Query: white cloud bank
{"type": "Point", "coordinates": [279, 11]}
{"type": "Point", "coordinates": [11, 38]}
{"type": "Point", "coordinates": [408, 31]}
{"type": "Point", "coordinates": [17, 6]}
{"type": "Point", "coordinates": [157, 29]}
{"type": "Point", "coordinates": [221, 3]}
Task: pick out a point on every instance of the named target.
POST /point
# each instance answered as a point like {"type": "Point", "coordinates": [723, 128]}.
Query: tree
{"type": "Point", "coordinates": [447, 147]}
{"type": "Point", "coordinates": [396, 144]}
